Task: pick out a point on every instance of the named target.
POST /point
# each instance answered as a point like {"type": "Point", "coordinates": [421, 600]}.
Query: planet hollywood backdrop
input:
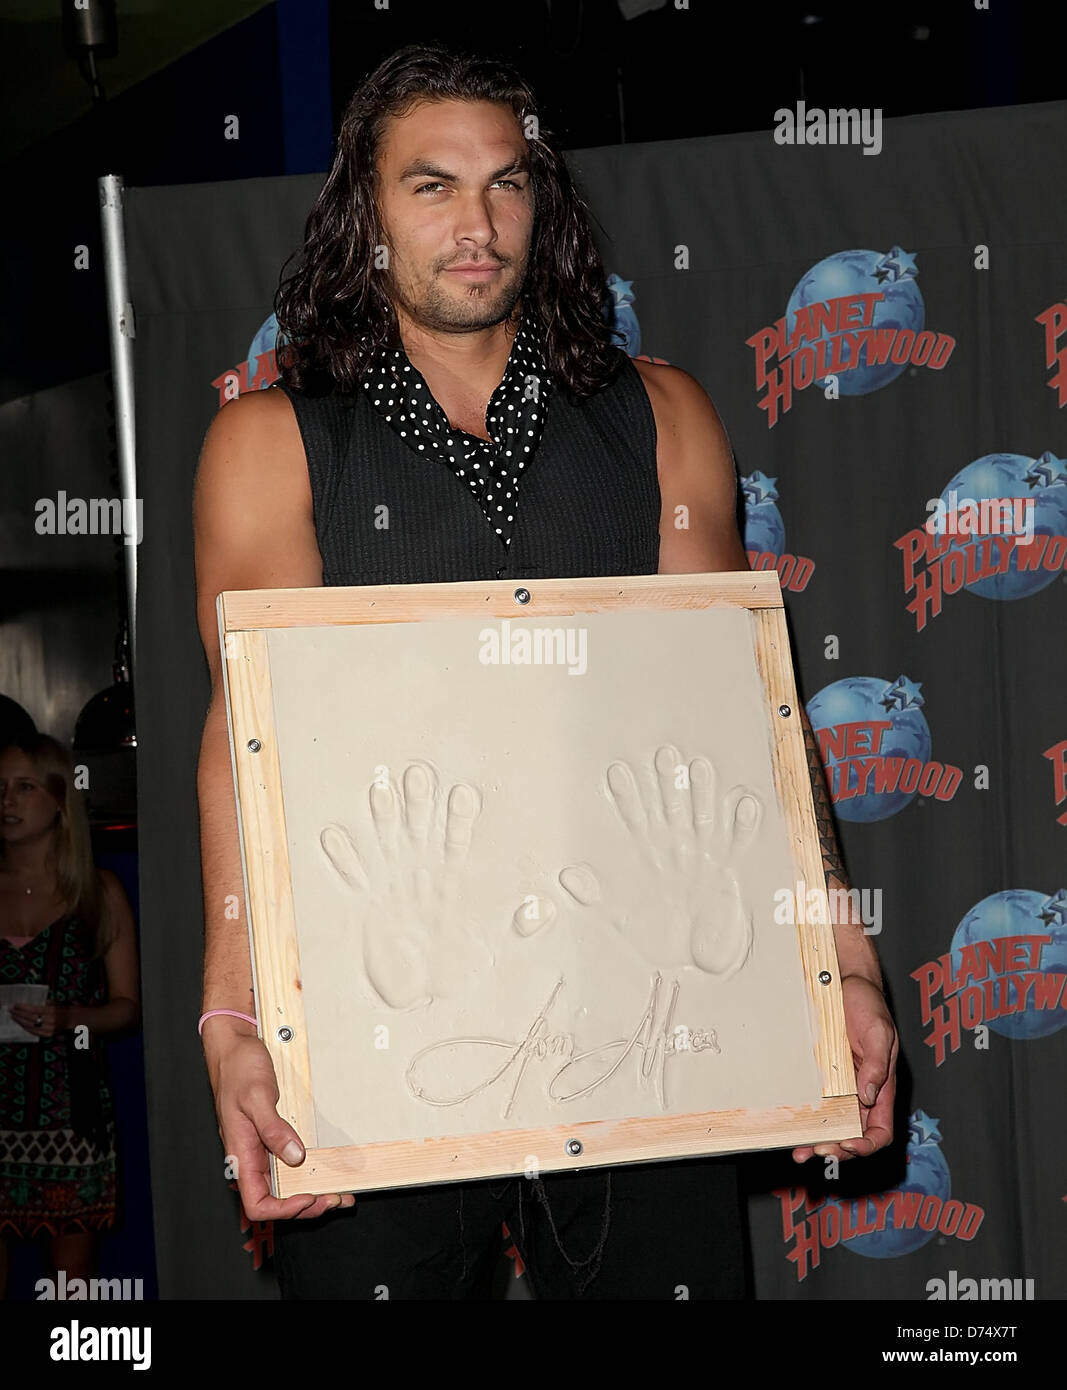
{"type": "Point", "coordinates": [886, 341]}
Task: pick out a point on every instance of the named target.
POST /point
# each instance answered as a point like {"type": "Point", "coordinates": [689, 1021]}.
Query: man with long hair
{"type": "Point", "coordinates": [447, 364]}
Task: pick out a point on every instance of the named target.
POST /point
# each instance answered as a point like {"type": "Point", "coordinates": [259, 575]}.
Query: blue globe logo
{"type": "Point", "coordinates": [1044, 479]}
{"type": "Point", "coordinates": [863, 272]}
{"type": "Point", "coordinates": [928, 1173]}
{"type": "Point", "coordinates": [764, 527]}
{"type": "Point", "coordinates": [267, 339]}
{"type": "Point", "coordinates": [1019, 912]}
{"type": "Point", "coordinates": [870, 700]}
{"type": "Point", "coordinates": [619, 312]}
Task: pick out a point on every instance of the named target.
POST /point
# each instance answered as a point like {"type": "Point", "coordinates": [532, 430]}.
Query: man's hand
{"type": "Point", "coordinates": [246, 1103]}
{"type": "Point", "coordinates": [873, 1038]}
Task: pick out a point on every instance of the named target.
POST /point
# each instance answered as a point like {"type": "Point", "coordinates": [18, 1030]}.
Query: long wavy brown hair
{"type": "Point", "coordinates": [335, 312]}
{"type": "Point", "coordinates": [77, 879]}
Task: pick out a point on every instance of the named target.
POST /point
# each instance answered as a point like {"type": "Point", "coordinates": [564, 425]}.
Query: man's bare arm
{"type": "Point", "coordinates": [254, 529]}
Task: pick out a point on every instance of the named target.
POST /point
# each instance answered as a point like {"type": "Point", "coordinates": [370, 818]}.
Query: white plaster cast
{"type": "Point", "coordinates": [551, 894]}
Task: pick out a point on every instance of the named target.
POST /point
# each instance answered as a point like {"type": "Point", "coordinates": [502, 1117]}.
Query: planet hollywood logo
{"type": "Point", "coordinates": [620, 313]}
{"type": "Point", "coordinates": [998, 530]}
{"type": "Point", "coordinates": [884, 1225]}
{"type": "Point", "coordinates": [1057, 756]}
{"type": "Point", "coordinates": [1054, 321]}
{"type": "Point", "coordinates": [875, 745]}
{"type": "Point", "coordinates": [852, 325]}
{"type": "Point", "coordinates": [1006, 970]}
{"type": "Point", "coordinates": [259, 369]}
{"type": "Point", "coordinates": [765, 534]}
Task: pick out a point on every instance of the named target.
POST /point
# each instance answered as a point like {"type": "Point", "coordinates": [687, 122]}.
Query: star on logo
{"type": "Point", "coordinates": [1046, 471]}
{"type": "Point", "coordinates": [896, 265]}
{"type": "Point", "coordinates": [1054, 910]}
{"type": "Point", "coordinates": [621, 289]}
{"type": "Point", "coordinates": [923, 1128]}
{"type": "Point", "coordinates": [902, 694]}
{"type": "Point", "coordinates": [757, 488]}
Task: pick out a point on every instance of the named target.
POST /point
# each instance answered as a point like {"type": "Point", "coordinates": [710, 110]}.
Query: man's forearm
{"type": "Point", "coordinates": [855, 949]}
{"type": "Point", "coordinates": [227, 964]}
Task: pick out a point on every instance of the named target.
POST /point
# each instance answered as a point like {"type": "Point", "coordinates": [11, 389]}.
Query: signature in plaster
{"type": "Point", "coordinates": [412, 942]}
{"type": "Point", "coordinates": [653, 1041]}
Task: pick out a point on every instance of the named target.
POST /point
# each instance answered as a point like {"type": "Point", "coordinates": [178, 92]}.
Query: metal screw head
{"type": "Point", "coordinates": [784, 711]}
{"type": "Point", "coordinates": [522, 596]}
{"type": "Point", "coordinates": [825, 977]}
{"type": "Point", "coordinates": [574, 1147]}
{"type": "Point", "coordinates": [254, 745]}
{"type": "Point", "coordinates": [285, 1033]}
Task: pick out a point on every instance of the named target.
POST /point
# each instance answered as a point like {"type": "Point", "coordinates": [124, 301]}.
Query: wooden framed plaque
{"type": "Point", "coordinates": [516, 855]}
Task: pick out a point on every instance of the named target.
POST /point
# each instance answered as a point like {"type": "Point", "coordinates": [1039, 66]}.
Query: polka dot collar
{"type": "Point", "coordinates": [515, 420]}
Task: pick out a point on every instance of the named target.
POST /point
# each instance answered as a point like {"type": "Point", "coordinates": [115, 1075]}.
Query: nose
{"type": "Point", "coordinates": [474, 221]}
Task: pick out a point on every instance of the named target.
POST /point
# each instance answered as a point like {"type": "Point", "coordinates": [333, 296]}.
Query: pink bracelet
{"type": "Point", "coordinates": [233, 1014]}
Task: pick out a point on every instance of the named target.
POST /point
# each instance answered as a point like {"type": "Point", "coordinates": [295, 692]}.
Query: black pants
{"type": "Point", "coordinates": [643, 1231]}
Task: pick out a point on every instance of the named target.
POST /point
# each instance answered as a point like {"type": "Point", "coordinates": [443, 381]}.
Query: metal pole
{"type": "Point", "coordinates": [122, 332]}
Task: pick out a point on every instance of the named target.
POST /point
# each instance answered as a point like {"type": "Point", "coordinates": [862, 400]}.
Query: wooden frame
{"type": "Point", "coordinates": [245, 618]}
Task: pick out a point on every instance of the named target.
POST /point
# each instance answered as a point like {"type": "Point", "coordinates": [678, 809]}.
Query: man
{"type": "Point", "coordinates": [448, 361]}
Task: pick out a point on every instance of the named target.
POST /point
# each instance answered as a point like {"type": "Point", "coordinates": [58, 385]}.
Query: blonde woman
{"type": "Point", "coordinates": [67, 925]}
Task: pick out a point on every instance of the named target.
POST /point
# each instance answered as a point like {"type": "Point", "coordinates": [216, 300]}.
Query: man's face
{"type": "Point", "coordinates": [454, 190]}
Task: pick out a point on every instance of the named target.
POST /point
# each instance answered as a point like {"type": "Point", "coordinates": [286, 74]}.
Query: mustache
{"type": "Point", "coordinates": [486, 263]}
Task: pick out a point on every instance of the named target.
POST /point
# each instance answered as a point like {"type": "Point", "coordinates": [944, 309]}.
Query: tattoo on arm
{"type": "Point", "coordinates": [832, 863]}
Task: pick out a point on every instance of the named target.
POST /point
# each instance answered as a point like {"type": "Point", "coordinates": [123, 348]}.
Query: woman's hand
{"type": "Point", "coordinates": [43, 1020]}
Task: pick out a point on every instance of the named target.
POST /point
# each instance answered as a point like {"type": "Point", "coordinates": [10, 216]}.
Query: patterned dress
{"type": "Point", "coordinates": [57, 1131]}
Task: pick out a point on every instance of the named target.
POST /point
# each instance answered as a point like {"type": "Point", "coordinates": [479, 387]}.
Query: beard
{"type": "Point", "coordinates": [481, 306]}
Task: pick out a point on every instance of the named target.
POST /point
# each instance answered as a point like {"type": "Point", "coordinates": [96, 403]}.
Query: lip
{"type": "Point", "coordinates": [474, 272]}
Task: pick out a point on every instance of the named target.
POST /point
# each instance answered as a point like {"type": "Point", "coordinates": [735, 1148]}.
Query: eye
{"type": "Point", "coordinates": [423, 187]}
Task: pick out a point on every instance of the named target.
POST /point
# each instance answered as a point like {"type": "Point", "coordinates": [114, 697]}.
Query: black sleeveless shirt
{"type": "Point", "coordinates": [589, 504]}
{"type": "Point", "coordinates": [514, 418]}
